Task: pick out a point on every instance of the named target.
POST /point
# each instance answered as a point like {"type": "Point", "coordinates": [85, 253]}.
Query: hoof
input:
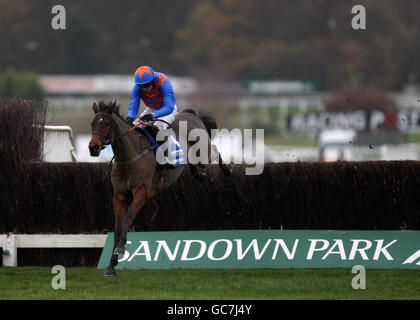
{"type": "Point", "coordinates": [119, 251]}
{"type": "Point", "coordinates": [109, 273]}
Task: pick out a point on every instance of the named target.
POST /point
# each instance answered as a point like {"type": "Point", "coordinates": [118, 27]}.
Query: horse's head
{"type": "Point", "coordinates": [101, 127]}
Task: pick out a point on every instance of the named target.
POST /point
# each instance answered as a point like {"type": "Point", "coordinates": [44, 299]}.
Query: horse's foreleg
{"type": "Point", "coordinates": [119, 203]}
{"type": "Point", "coordinates": [139, 199]}
{"type": "Point", "coordinates": [226, 169]}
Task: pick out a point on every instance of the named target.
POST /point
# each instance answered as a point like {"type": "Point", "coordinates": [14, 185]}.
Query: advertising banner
{"type": "Point", "coordinates": [404, 121]}
{"type": "Point", "coordinates": [249, 249]}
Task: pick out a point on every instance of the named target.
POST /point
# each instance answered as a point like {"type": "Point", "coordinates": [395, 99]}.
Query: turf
{"type": "Point", "coordinates": [25, 283]}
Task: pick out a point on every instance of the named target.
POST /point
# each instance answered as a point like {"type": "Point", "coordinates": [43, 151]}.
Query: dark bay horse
{"type": "Point", "coordinates": [136, 175]}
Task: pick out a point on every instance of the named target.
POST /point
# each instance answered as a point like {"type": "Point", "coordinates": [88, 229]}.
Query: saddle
{"type": "Point", "coordinates": [150, 132]}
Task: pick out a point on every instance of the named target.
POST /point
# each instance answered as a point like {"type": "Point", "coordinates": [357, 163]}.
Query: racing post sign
{"type": "Point", "coordinates": [236, 249]}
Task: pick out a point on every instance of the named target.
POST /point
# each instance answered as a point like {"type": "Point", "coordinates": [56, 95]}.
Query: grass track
{"type": "Point", "coordinates": [24, 283]}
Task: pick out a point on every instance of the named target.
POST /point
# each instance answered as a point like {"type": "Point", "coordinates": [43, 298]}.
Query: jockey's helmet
{"type": "Point", "coordinates": [143, 75]}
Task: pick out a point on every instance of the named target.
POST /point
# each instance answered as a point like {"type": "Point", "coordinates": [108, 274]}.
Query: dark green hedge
{"type": "Point", "coordinates": [76, 198]}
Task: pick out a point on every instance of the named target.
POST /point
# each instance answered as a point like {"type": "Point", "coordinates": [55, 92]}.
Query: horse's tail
{"type": "Point", "coordinates": [211, 123]}
{"type": "Point", "coordinates": [208, 120]}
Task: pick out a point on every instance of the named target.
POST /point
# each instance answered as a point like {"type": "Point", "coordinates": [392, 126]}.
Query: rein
{"type": "Point", "coordinates": [107, 141]}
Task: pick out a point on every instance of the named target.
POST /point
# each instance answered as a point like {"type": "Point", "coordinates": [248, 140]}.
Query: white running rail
{"type": "Point", "coordinates": [11, 242]}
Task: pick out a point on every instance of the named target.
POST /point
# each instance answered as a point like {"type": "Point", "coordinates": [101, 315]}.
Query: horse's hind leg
{"type": "Point", "coordinates": [120, 207]}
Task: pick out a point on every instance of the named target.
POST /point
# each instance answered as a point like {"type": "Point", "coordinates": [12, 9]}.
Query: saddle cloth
{"type": "Point", "coordinates": [174, 150]}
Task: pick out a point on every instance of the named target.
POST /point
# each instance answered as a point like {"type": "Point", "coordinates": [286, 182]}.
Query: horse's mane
{"type": "Point", "coordinates": [103, 106]}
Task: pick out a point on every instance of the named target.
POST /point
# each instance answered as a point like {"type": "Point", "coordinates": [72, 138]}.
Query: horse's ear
{"type": "Point", "coordinates": [95, 107]}
{"type": "Point", "coordinates": [112, 106]}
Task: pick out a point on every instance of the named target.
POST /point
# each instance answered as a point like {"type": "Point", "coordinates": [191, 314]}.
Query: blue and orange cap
{"type": "Point", "coordinates": [143, 75]}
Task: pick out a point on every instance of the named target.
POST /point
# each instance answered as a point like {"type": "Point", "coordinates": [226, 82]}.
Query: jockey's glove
{"type": "Point", "coordinates": [129, 120]}
{"type": "Point", "coordinates": [147, 117]}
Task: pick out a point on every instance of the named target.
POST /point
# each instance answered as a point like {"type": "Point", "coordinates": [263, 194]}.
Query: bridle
{"type": "Point", "coordinates": [105, 140]}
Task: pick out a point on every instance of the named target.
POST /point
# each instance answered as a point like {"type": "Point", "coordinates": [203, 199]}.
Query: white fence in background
{"type": "Point", "coordinates": [233, 148]}
{"type": "Point", "coordinates": [58, 144]}
{"type": "Point", "coordinates": [408, 151]}
{"type": "Point", "coordinates": [11, 242]}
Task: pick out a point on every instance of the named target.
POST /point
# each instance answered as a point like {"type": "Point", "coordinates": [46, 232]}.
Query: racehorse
{"type": "Point", "coordinates": [136, 175]}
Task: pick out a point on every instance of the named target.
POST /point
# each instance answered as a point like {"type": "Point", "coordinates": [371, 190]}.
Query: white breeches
{"type": "Point", "coordinates": [160, 124]}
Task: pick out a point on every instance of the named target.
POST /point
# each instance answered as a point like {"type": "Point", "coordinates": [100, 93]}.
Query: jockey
{"type": "Point", "coordinates": [156, 91]}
